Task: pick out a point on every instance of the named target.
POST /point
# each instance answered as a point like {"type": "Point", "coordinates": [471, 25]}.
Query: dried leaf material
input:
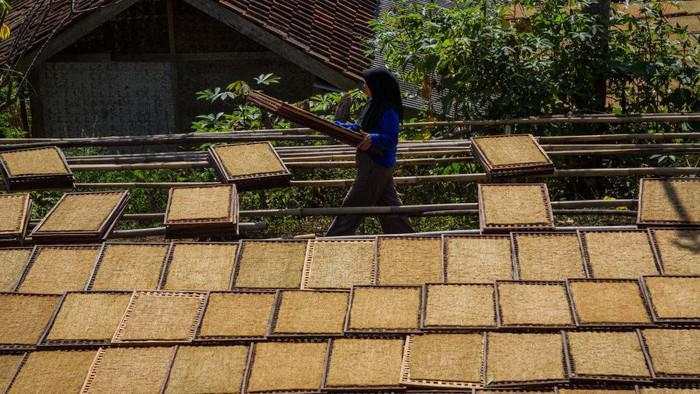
{"type": "Point", "coordinates": [611, 302]}
{"type": "Point", "coordinates": [606, 353]}
{"type": "Point", "coordinates": [311, 312]}
{"type": "Point", "coordinates": [81, 212]}
{"type": "Point", "coordinates": [200, 203]}
{"type": "Point", "coordinates": [409, 261]}
{"type": "Point", "coordinates": [200, 266]}
{"type": "Point", "coordinates": [43, 161]}
{"type": "Point", "coordinates": [377, 308]}
{"type": "Point", "coordinates": [515, 205]}
{"type": "Point", "coordinates": [549, 256]}
{"type": "Point", "coordinates": [12, 213]}
{"type": "Point", "coordinates": [279, 366]}
{"type": "Point", "coordinates": [88, 317]}
{"type": "Point", "coordinates": [679, 251]}
{"type": "Point", "coordinates": [56, 269]}
{"type": "Point", "coordinates": [511, 150]}
{"type": "Point", "coordinates": [670, 200]}
{"type": "Point", "coordinates": [617, 254]}
{"type": "Point", "coordinates": [673, 352]}
{"type": "Point", "coordinates": [252, 311]}
{"type": "Point", "coordinates": [53, 372]}
{"type": "Point", "coordinates": [249, 159]}
{"type": "Point", "coordinates": [365, 363]}
{"type": "Point", "coordinates": [478, 259]}
{"type": "Point", "coordinates": [130, 267]}
{"type": "Point", "coordinates": [129, 370]}
{"type": "Point", "coordinates": [12, 263]}
{"type": "Point", "coordinates": [524, 357]}
{"type": "Point", "coordinates": [341, 264]}
{"type": "Point", "coordinates": [533, 304]}
{"type": "Point", "coordinates": [23, 318]}
{"type": "Point", "coordinates": [460, 306]}
{"type": "Point", "coordinates": [447, 357]}
{"type": "Point", "coordinates": [208, 369]}
{"type": "Point", "coordinates": [270, 264]}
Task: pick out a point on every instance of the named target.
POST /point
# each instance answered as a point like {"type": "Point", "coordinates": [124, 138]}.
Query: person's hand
{"type": "Point", "coordinates": [365, 144]}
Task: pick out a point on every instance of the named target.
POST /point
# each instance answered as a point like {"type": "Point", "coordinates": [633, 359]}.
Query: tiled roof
{"type": "Point", "coordinates": [334, 32]}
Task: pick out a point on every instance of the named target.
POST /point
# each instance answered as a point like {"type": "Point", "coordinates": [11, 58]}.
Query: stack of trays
{"type": "Point", "coordinates": [249, 166]}
{"type": "Point", "coordinates": [34, 169]}
{"type": "Point", "coordinates": [306, 118]}
{"type": "Point", "coordinates": [505, 155]}
{"type": "Point", "coordinates": [202, 210]}
{"type": "Point", "coordinates": [81, 217]}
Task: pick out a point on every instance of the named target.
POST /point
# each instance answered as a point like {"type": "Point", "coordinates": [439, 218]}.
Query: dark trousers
{"type": "Point", "coordinates": [374, 186]}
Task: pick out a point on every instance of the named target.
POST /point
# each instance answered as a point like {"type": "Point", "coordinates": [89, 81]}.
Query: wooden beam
{"type": "Point", "coordinates": [271, 41]}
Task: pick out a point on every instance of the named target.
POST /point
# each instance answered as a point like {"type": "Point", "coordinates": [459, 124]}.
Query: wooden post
{"type": "Point", "coordinates": [170, 9]}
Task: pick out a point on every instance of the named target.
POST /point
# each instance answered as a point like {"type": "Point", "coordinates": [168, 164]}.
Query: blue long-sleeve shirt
{"type": "Point", "coordinates": [385, 136]}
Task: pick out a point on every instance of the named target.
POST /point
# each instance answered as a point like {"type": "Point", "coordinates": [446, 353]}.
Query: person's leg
{"type": "Point", "coordinates": [393, 224]}
{"type": "Point", "coordinates": [369, 184]}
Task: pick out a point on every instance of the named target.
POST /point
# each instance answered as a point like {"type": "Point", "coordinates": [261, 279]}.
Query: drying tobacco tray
{"type": "Point", "coordinates": [249, 165]}
{"type": "Point", "coordinates": [514, 206]}
{"type": "Point", "coordinates": [669, 202]}
{"type": "Point", "coordinates": [81, 217]}
{"type": "Point", "coordinates": [458, 307]}
{"type": "Point", "coordinates": [14, 217]}
{"type": "Point", "coordinates": [36, 168]}
{"type": "Point", "coordinates": [195, 210]}
{"type": "Point", "coordinates": [339, 264]}
{"type": "Point", "coordinates": [253, 310]}
{"type": "Point", "coordinates": [511, 155]}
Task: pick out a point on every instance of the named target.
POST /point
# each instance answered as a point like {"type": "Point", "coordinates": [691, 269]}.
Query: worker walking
{"type": "Point", "coordinates": [376, 156]}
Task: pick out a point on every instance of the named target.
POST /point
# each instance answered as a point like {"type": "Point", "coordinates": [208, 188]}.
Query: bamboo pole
{"type": "Point", "coordinates": [244, 228]}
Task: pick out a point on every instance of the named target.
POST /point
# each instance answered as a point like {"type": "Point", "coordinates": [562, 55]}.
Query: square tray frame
{"type": "Point", "coordinates": [199, 314]}
{"type": "Point", "coordinates": [587, 256]}
{"type": "Point", "coordinates": [655, 247]}
{"type": "Point", "coordinates": [15, 347]}
{"type": "Point", "coordinates": [18, 237]}
{"type": "Point", "coordinates": [99, 235]}
{"type": "Point", "coordinates": [252, 181]}
{"type": "Point", "coordinates": [507, 228]}
{"type": "Point", "coordinates": [670, 378]}
{"type": "Point", "coordinates": [695, 321]}
{"type": "Point", "coordinates": [192, 227]}
{"type": "Point", "coordinates": [527, 168]}
{"type": "Point", "coordinates": [573, 376]}
{"type": "Point", "coordinates": [198, 338]}
{"type": "Point", "coordinates": [167, 263]}
{"type": "Point", "coordinates": [528, 327]}
{"type": "Point", "coordinates": [378, 241]}
{"type": "Point", "coordinates": [516, 260]}
{"type": "Point", "coordinates": [35, 253]}
{"type": "Point", "coordinates": [604, 325]}
{"type": "Point", "coordinates": [24, 266]}
{"type": "Point", "coordinates": [45, 343]}
{"type": "Point", "coordinates": [37, 182]}
{"type": "Point", "coordinates": [456, 329]}
{"type": "Point", "coordinates": [383, 331]}
{"type": "Point", "coordinates": [372, 389]}
{"type": "Point", "coordinates": [659, 223]}
{"type": "Point", "coordinates": [445, 251]}
{"type": "Point", "coordinates": [278, 304]}
{"type": "Point", "coordinates": [405, 370]}
{"type": "Point", "coordinates": [101, 256]}
{"type": "Point", "coordinates": [306, 272]}
{"type": "Point", "coordinates": [239, 256]}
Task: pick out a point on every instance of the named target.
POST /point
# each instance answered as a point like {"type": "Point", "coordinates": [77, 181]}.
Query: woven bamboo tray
{"type": "Point", "coordinates": [208, 369]}
{"type": "Point", "coordinates": [81, 217]}
{"type": "Point", "coordinates": [129, 266]}
{"type": "Point", "coordinates": [24, 318]}
{"type": "Point", "coordinates": [510, 360]}
{"type": "Point", "coordinates": [673, 299]}
{"type": "Point", "coordinates": [13, 262]}
{"type": "Point", "coordinates": [336, 264]}
{"type": "Point", "coordinates": [276, 367]}
{"type": "Point", "coordinates": [200, 266]}
{"type": "Point", "coordinates": [384, 310]}
{"type": "Point", "coordinates": [444, 360]}
{"type": "Point", "coordinates": [514, 206]}
{"type": "Point", "coordinates": [477, 258]}
{"type": "Point", "coordinates": [270, 264]}
{"type": "Point", "coordinates": [605, 356]}
{"type": "Point", "coordinates": [677, 251]}
{"type": "Point", "coordinates": [548, 256]}
{"type": "Point", "coordinates": [35, 169]}
{"type": "Point", "coordinates": [309, 313]}
{"type": "Point", "coordinates": [504, 155]}
{"type": "Point", "coordinates": [129, 370]}
{"type": "Point", "coordinates": [160, 318]}
{"type": "Point", "coordinates": [618, 254]}
{"type": "Point", "coordinates": [669, 202]}
{"type": "Point", "coordinates": [53, 372]}
{"type": "Point", "coordinates": [533, 304]}
{"type": "Point", "coordinates": [409, 260]}
{"type": "Point", "coordinates": [458, 307]}
{"type": "Point", "coordinates": [253, 310]}
{"type": "Point", "coordinates": [672, 354]}
{"type": "Point", "coordinates": [15, 211]}
{"type": "Point", "coordinates": [59, 268]}
{"type": "Point", "coordinates": [249, 166]}
{"type": "Point", "coordinates": [608, 302]}
{"type": "Point", "coordinates": [364, 364]}
{"type": "Point", "coordinates": [201, 210]}
{"type": "Point", "coordinates": [86, 319]}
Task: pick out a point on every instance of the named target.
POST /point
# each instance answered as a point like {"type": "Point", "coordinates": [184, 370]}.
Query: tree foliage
{"type": "Point", "coordinates": [486, 63]}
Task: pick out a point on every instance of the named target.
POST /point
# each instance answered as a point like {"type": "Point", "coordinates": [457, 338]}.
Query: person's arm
{"type": "Point", "coordinates": [348, 125]}
{"type": "Point", "coordinates": [387, 130]}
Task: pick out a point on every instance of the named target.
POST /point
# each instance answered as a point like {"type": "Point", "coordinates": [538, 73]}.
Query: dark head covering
{"type": "Point", "coordinates": [385, 94]}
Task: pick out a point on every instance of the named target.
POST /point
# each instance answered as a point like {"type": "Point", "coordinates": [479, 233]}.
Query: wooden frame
{"type": "Point", "coordinates": [98, 235]}
{"type": "Point", "coordinates": [646, 292]}
{"type": "Point", "coordinates": [271, 333]}
{"type": "Point", "coordinates": [250, 181]}
{"type": "Point", "coordinates": [457, 329]}
{"type": "Point", "coordinates": [199, 338]}
{"type": "Point", "coordinates": [192, 227]}
{"type": "Point", "coordinates": [604, 325]}
{"type": "Point", "coordinates": [669, 223]}
{"type": "Point", "coordinates": [384, 331]}
{"type": "Point", "coordinates": [493, 170]}
{"type": "Point", "coordinates": [60, 181]}
{"type": "Point", "coordinates": [530, 326]}
{"type": "Point", "coordinates": [23, 225]}
{"type": "Point", "coordinates": [56, 307]}
{"type": "Point", "coordinates": [500, 228]}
